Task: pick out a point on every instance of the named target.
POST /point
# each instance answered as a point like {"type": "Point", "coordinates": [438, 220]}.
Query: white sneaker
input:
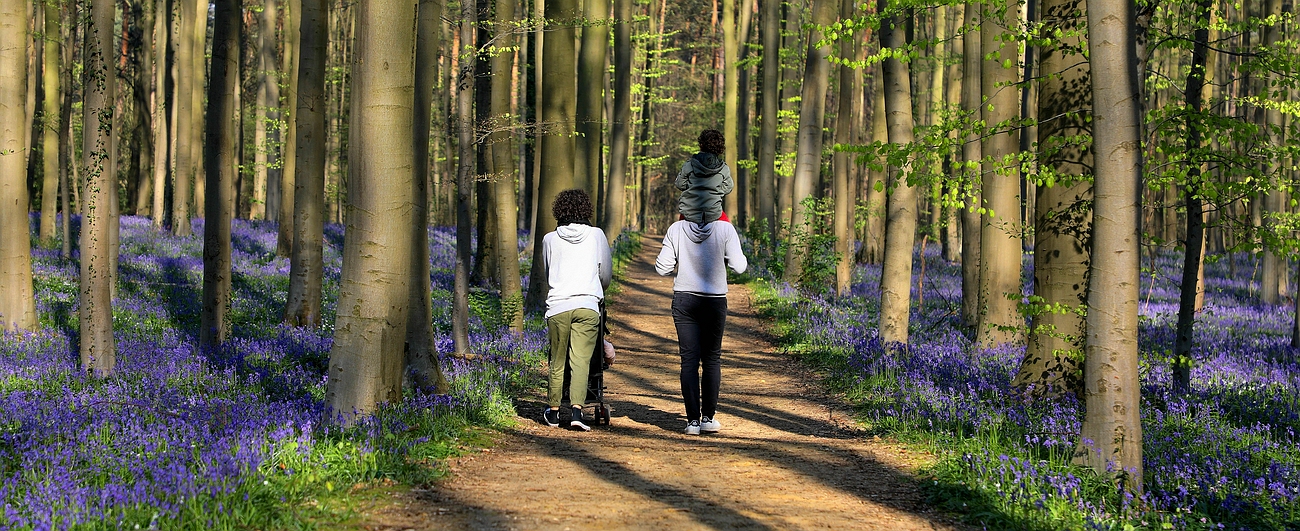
{"type": "Point", "coordinates": [709, 425]}
{"type": "Point", "coordinates": [693, 427]}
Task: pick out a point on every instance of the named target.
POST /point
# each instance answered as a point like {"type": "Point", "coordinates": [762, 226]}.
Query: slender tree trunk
{"type": "Point", "coordinates": [421, 353]}
{"type": "Point", "coordinates": [972, 154]}
{"type": "Point", "coordinates": [1111, 436]}
{"type": "Point", "coordinates": [557, 149]}
{"type": "Point", "coordinates": [1062, 211]}
{"type": "Point", "coordinates": [142, 133]}
{"type": "Point", "coordinates": [591, 75]}
{"type": "Point", "coordinates": [17, 298]}
{"type": "Point", "coordinates": [1000, 245]}
{"type": "Point", "coordinates": [900, 222]}
{"type": "Point", "coordinates": [200, 37]}
{"type": "Point", "coordinates": [933, 108]}
{"type": "Point", "coordinates": [306, 266]}
{"type": "Point", "coordinates": [812, 111]}
{"type": "Point", "coordinates": [952, 224]}
{"type": "Point", "coordinates": [503, 184]}
{"type": "Point", "coordinates": [485, 224]}
{"type": "Point", "coordinates": [1193, 256]}
{"type": "Point", "coordinates": [464, 178]}
{"type": "Point", "coordinates": [791, 85]}
{"type": "Point", "coordinates": [219, 159]}
{"type": "Point", "coordinates": [730, 99]}
{"type": "Point", "coordinates": [616, 195]}
{"type": "Point", "coordinates": [844, 129]}
{"type": "Point", "coordinates": [768, 121]}
{"type": "Point", "coordinates": [288, 214]}
{"type": "Point", "coordinates": [876, 196]}
{"type": "Point", "coordinates": [98, 349]}
{"type": "Point", "coordinates": [66, 162]}
{"type": "Point", "coordinates": [266, 151]}
{"type": "Point", "coordinates": [1273, 276]}
{"type": "Point", "coordinates": [366, 359]}
{"type": "Point", "coordinates": [161, 163]}
{"type": "Point", "coordinates": [187, 61]}
{"type": "Point", "coordinates": [49, 123]}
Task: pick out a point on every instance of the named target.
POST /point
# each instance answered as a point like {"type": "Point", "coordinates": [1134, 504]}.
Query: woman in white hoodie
{"type": "Point", "coordinates": [700, 254]}
{"type": "Point", "coordinates": [578, 269]}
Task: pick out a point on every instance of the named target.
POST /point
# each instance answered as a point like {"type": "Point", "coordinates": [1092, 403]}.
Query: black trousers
{"type": "Point", "coordinates": [700, 321]}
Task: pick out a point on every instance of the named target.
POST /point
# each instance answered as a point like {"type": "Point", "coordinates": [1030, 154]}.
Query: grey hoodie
{"type": "Point", "coordinates": [700, 254]}
{"type": "Point", "coordinates": [703, 180]}
{"type": "Point", "coordinates": [578, 268]}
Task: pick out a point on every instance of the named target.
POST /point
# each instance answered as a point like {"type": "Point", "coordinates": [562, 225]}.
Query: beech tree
{"type": "Point", "coordinates": [365, 366]}
{"type": "Point", "coordinates": [901, 211]}
{"type": "Point", "coordinates": [49, 121]}
{"type": "Point", "coordinates": [812, 112]}
{"type": "Point", "coordinates": [972, 154]}
{"type": "Point", "coordinates": [219, 160]}
{"type": "Point", "coordinates": [620, 127]}
{"type": "Point", "coordinates": [591, 83]}
{"type": "Point", "coordinates": [186, 64]}
{"type": "Point", "coordinates": [770, 20]}
{"type": "Point", "coordinates": [1111, 437]}
{"type": "Point", "coordinates": [266, 140]}
{"type": "Point", "coordinates": [98, 273]}
{"type": "Point", "coordinates": [286, 212]}
{"type": "Point", "coordinates": [306, 266]}
{"type": "Point", "coordinates": [503, 167]}
{"type": "Point", "coordinates": [17, 299]}
{"type": "Point", "coordinates": [843, 162]}
{"type": "Point", "coordinates": [464, 178]}
{"type": "Point", "coordinates": [161, 133]}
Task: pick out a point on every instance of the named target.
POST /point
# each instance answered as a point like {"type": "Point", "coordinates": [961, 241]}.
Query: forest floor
{"type": "Point", "coordinates": [788, 456]}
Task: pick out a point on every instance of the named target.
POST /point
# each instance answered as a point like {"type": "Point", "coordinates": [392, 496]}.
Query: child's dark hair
{"type": "Point", "coordinates": [712, 141]}
{"type": "Point", "coordinates": [571, 206]}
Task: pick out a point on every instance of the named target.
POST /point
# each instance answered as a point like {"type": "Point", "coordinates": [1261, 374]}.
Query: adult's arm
{"type": "Point", "coordinates": [684, 176]}
{"type": "Point", "coordinates": [667, 260]}
{"type": "Point", "coordinates": [728, 183]}
{"type": "Point", "coordinates": [606, 266]}
{"type": "Point", "coordinates": [734, 256]}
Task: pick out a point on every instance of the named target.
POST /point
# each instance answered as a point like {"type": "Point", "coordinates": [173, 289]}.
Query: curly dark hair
{"type": "Point", "coordinates": [711, 141]}
{"type": "Point", "coordinates": [571, 206]}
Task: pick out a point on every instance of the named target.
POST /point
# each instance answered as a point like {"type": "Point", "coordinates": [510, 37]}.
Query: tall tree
{"type": "Point", "coordinates": [50, 121]}
{"type": "Point", "coordinates": [306, 265]}
{"type": "Point", "coordinates": [621, 127]}
{"type": "Point", "coordinates": [266, 140]}
{"type": "Point", "coordinates": [591, 83]}
{"type": "Point", "coordinates": [1062, 209]}
{"type": "Point", "coordinates": [768, 121]}
{"type": "Point", "coordinates": [1274, 271]}
{"type": "Point", "coordinates": [812, 111]}
{"type": "Point", "coordinates": [900, 218]}
{"type": "Point", "coordinates": [557, 147]}
{"type": "Point", "coordinates": [287, 214]}
{"type": "Point", "coordinates": [503, 167]}
{"type": "Point", "coordinates": [1110, 440]}
{"type": "Point", "coordinates": [844, 129]}
{"type": "Point", "coordinates": [98, 349]}
{"type": "Point", "coordinates": [187, 61]}
{"type": "Point", "coordinates": [464, 177]}
{"type": "Point", "coordinates": [873, 246]}
{"type": "Point", "coordinates": [220, 162]}
{"type": "Point", "coordinates": [730, 99]}
{"type": "Point", "coordinates": [161, 164]}
{"type": "Point", "coordinates": [1000, 246]}
{"type": "Point", "coordinates": [370, 332]}
{"type": "Point", "coordinates": [1193, 259]}
{"type": "Point", "coordinates": [972, 154]}
{"type": "Point", "coordinates": [200, 36]}
{"type": "Point", "coordinates": [17, 299]}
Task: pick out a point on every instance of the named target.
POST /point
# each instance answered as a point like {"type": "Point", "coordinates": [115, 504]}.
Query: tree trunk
{"type": "Point", "coordinates": [200, 36]}
{"type": "Point", "coordinates": [591, 76]}
{"type": "Point", "coordinates": [187, 61]}
{"type": "Point", "coordinates": [790, 86]}
{"type": "Point", "coordinates": [730, 100]}
{"type": "Point", "coordinates": [98, 349]}
{"type": "Point", "coordinates": [934, 109]}
{"type": "Point", "coordinates": [66, 163]}
{"type": "Point", "coordinates": [17, 298]}
{"type": "Point", "coordinates": [366, 359]}
{"type": "Point", "coordinates": [1111, 437]}
{"type": "Point", "coordinates": [1000, 244]}
{"type": "Point", "coordinates": [503, 167]}
{"type": "Point", "coordinates": [288, 213]}
{"type": "Point", "coordinates": [306, 267]}
{"type": "Point", "coordinates": [616, 193]}
{"type": "Point", "coordinates": [768, 121]}
{"type": "Point", "coordinates": [972, 154]}
{"type": "Point", "coordinates": [161, 162]}
{"type": "Point", "coordinates": [464, 179]}
{"type": "Point", "coordinates": [220, 163]}
{"type": "Point", "coordinates": [49, 123]}
{"type": "Point", "coordinates": [421, 353]}
{"type": "Point", "coordinates": [266, 142]}
{"type": "Point", "coordinates": [952, 228]}
{"type": "Point", "coordinates": [808, 162]}
{"type": "Point", "coordinates": [557, 147]}
{"type": "Point", "coordinates": [900, 222]}
{"type": "Point", "coordinates": [876, 196]}
{"type": "Point", "coordinates": [844, 129]}
{"type": "Point", "coordinates": [1062, 211]}
{"type": "Point", "coordinates": [1193, 256]}
{"type": "Point", "coordinates": [1273, 277]}
{"type": "Point", "coordinates": [143, 130]}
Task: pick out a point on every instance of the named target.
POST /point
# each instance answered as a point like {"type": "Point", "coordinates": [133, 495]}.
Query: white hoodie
{"type": "Point", "coordinates": [698, 252]}
{"type": "Point", "coordinates": [578, 268]}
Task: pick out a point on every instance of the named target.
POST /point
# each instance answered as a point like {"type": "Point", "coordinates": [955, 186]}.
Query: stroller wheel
{"type": "Point", "coordinates": [602, 414]}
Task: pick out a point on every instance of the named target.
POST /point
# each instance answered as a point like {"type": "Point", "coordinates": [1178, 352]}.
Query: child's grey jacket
{"type": "Point", "coordinates": [703, 180]}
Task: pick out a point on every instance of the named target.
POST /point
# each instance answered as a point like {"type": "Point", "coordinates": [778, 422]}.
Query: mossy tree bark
{"type": "Point", "coordinates": [98, 349]}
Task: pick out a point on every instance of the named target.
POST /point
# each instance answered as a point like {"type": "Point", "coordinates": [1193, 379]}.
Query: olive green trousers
{"type": "Point", "coordinates": [572, 336]}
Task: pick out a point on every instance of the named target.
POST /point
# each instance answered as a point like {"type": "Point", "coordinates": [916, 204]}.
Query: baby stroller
{"type": "Point", "coordinates": [596, 375]}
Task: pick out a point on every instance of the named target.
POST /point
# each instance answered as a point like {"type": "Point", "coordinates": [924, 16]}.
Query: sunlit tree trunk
{"type": "Point", "coordinates": [464, 178]}
{"type": "Point", "coordinates": [812, 112]}
{"type": "Point", "coordinates": [972, 154]}
{"type": "Point", "coordinates": [619, 138]}
{"type": "Point", "coordinates": [791, 85]}
{"type": "Point", "coordinates": [557, 148]}
{"type": "Point", "coordinates": [17, 299]}
{"type": "Point", "coordinates": [49, 123]}
{"type": "Point", "coordinates": [366, 360]}
{"type": "Point", "coordinates": [1111, 436]}
{"type": "Point", "coordinates": [591, 80]}
{"type": "Point", "coordinates": [503, 167]}
{"type": "Point", "coordinates": [200, 36]}
{"type": "Point", "coordinates": [161, 138]}
{"type": "Point", "coordinates": [306, 267]}
{"type": "Point", "coordinates": [98, 349]}
{"type": "Point", "coordinates": [266, 149]}
{"type": "Point", "coordinates": [288, 214]}
{"type": "Point", "coordinates": [900, 221]}
{"type": "Point", "coordinates": [843, 162]}
{"type": "Point", "coordinates": [219, 159]}
{"type": "Point", "coordinates": [66, 163]}
{"type": "Point", "coordinates": [730, 100]}
{"type": "Point", "coordinates": [185, 161]}
{"type": "Point", "coordinates": [1062, 211]}
{"type": "Point", "coordinates": [876, 196]}
{"type": "Point", "coordinates": [1273, 276]}
{"type": "Point", "coordinates": [767, 121]}
{"type": "Point", "coordinates": [1000, 244]}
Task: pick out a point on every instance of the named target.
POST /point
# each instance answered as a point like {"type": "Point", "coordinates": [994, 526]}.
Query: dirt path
{"type": "Point", "coordinates": [785, 458]}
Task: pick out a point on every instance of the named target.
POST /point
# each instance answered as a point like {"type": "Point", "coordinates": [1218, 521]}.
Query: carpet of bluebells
{"type": "Point", "coordinates": [180, 438]}
{"type": "Point", "coordinates": [1226, 455]}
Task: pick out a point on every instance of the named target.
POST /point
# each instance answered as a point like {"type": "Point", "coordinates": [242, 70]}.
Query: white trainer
{"type": "Point", "coordinates": [709, 425]}
{"type": "Point", "coordinates": [693, 427]}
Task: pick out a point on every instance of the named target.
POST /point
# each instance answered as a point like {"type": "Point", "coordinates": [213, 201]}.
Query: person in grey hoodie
{"type": "Point", "coordinates": [578, 269]}
{"type": "Point", "coordinates": [704, 180]}
{"type": "Point", "coordinates": [700, 253]}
